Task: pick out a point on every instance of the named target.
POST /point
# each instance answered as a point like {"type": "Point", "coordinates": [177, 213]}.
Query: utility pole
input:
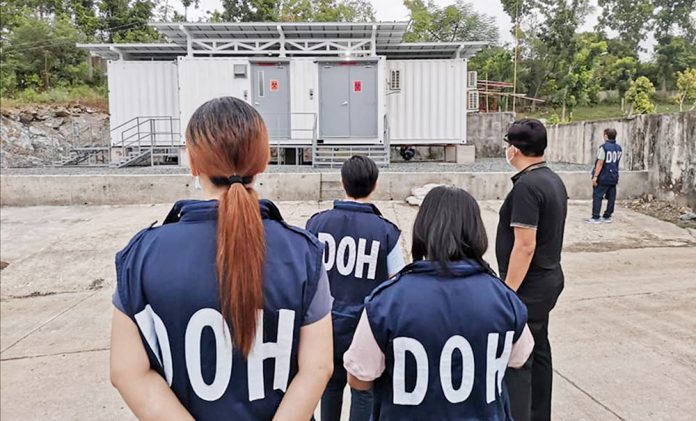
{"type": "Point", "coordinates": [517, 48]}
{"type": "Point", "coordinates": [46, 69]}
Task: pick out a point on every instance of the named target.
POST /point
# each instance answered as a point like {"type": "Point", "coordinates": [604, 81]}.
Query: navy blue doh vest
{"type": "Point", "coordinates": [168, 285]}
{"type": "Point", "coordinates": [609, 175]}
{"type": "Point", "coordinates": [447, 337]}
{"type": "Point", "coordinates": [357, 241]}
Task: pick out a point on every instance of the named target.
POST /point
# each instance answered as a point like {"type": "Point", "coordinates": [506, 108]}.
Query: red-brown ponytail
{"type": "Point", "coordinates": [227, 137]}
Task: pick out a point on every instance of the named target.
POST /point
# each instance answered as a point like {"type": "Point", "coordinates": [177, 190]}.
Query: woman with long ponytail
{"type": "Point", "coordinates": [223, 312]}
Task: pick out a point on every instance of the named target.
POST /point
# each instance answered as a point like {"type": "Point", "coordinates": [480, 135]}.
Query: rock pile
{"type": "Point", "coordinates": [41, 135]}
{"type": "Point", "coordinates": [419, 193]}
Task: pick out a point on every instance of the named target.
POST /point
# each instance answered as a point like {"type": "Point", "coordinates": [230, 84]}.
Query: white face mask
{"type": "Point", "coordinates": [508, 158]}
{"type": "Point", "coordinates": [197, 183]}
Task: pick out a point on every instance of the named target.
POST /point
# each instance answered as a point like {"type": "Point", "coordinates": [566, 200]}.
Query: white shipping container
{"type": "Point", "coordinates": [142, 89]}
{"type": "Point", "coordinates": [426, 101]}
{"type": "Point", "coordinates": [202, 79]}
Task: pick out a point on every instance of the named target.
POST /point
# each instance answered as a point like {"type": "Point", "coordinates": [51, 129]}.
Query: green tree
{"type": "Point", "coordinates": [630, 18]}
{"type": "Point", "coordinates": [250, 10]}
{"type": "Point", "coordinates": [126, 20]}
{"type": "Point", "coordinates": [40, 54]}
{"type": "Point", "coordinates": [581, 85]}
{"type": "Point", "coordinates": [457, 22]}
{"type": "Point", "coordinates": [686, 88]}
{"type": "Point", "coordinates": [493, 63]}
{"type": "Point", "coordinates": [673, 54]}
{"type": "Point", "coordinates": [639, 96]}
{"type": "Point", "coordinates": [85, 16]}
{"type": "Point", "coordinates": [674, 17]}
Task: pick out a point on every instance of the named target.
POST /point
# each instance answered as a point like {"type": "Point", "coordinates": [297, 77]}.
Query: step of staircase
{"type": "Point", "coordinates": [333, 156]}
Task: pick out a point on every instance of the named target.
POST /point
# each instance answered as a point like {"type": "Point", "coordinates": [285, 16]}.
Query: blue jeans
{"type": "Point", "coordinates": [332, 400]}
{"type": "Point", "coordinates": [600, 192]}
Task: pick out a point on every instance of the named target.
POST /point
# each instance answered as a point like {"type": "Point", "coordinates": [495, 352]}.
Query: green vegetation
{"type": "Point", "coordinates": [92, 96]}
{"type": "Point", "coordinates": [591, 112]}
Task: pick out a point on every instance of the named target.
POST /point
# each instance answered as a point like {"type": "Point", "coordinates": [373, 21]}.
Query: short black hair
{"type": "Point", "coordinates": [448, 227]}
{"type": "Point", "coordinates": [529, 136]}
{"type": "Point", "coordinates": [611, 133]}
{"type": "Point", "coordinates": [359, 175]}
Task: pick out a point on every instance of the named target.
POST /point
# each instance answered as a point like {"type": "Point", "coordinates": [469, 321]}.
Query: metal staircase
{"type": "Point", "coordinates": [144, 141]}
{"type": "Point", "coordinates": [147, 141]}
{"type": "Point", "coordinates": [333, 155]}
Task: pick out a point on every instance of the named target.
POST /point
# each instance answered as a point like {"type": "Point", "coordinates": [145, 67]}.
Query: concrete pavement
{"type": "Point", "coordinates": [623, 332]}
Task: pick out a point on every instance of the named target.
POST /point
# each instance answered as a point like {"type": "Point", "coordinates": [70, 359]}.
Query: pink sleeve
{"type": "Point", "coordinates": [521, 349]}
{"type": "Point", "coordinates": [364, 359]}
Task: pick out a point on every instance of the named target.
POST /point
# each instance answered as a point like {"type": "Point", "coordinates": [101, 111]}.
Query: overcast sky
{"type": "Point", "coordinates": [394, 10]}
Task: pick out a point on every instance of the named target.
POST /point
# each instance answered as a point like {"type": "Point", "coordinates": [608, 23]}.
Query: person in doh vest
{"type": "Point", "coordinates": [223, 311]}
{"type": "Point", "coordinates": [605, 177]}
{"type": "Point", "coordinates": [434, 342]}
{"type": "Point", "coordinates": [361, 251]}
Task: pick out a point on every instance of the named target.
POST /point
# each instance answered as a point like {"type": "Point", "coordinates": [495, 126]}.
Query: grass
{"type": "Point", "coordinates": [93, 97]}
{"type": "Point", "coordinates": [597, 112]}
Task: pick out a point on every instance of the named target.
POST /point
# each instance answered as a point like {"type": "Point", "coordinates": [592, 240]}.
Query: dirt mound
{"type": "Point", "coordinates": [660, 209]}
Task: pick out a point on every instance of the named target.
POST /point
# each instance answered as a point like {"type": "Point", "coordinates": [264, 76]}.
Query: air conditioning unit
{"type": "Point", "coordinates": [472, 100]}
{"type": "Point", "coordinates": [472, 79]}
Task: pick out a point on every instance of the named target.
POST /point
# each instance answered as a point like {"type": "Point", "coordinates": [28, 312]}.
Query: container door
{"type": "Point", "coordinates": [271, 97]}
{"type": "Point", "coordinates": [363, 100]}
{"type": "Point", "coordinates": [334, 100]}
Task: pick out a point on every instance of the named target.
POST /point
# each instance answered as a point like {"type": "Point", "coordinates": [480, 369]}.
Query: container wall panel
{"type": "Point", "coordinates": [430, 106]}
{"type": "Point", "coordinates": [202, 79]}
{"type": "Point", "coordinates": [304, 98]}
{"type": "Point", "coordinates": [142, 89]}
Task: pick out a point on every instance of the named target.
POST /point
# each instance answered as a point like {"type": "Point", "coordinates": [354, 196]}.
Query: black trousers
{"type": "Point", "coordinates": [529, 387]}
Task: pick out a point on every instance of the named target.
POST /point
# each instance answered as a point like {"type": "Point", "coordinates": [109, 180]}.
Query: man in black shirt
{"type": "Point", "coordinates": [528, 249]}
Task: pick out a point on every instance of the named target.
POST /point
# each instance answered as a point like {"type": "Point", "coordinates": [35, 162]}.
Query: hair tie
{"type": "Point", "coordinates": [234, 179]}
{"type": "Point", "coordinates": [231, 180]}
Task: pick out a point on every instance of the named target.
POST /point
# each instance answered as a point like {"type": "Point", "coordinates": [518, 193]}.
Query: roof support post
{"type": "Point", "coordinates": [189, 41]}
{"type": "Point", "coordinates": [282, 40]}
{"type": "Point", "coordinates": [458, 55]}
{"type": "Point", "coordinates": [373, 41]}
{"type": "Point", "coordinates": [117, 51]}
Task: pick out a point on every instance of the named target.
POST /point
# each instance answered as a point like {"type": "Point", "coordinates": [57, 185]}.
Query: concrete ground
{"type": "Point", "coordinates": [623, 332]}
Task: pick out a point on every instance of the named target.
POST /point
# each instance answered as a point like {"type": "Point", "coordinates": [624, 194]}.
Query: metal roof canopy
{"type": "Point", "coordinates": [135, 51]}
{"type": "Point", "coordinates": [433, 50]}
{"type": "Point", "coordinates": [264, 39]}
{"type": "Point", "coordinates": [385, 32]}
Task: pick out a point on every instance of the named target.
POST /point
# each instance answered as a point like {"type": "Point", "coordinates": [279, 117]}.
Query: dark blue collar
{"type": "Point", "coordinates": [459, 268]}
{"type": "Point", "coordinates": [202, 210]}
{"type": "Point", "coordinates": [351, 206]}
{"type": "Point", "coordinates": [610, 140]}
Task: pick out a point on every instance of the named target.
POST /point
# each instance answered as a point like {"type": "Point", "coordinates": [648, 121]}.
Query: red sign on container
{"type": "Point", "coordinates": [357, 86]}
{"type": "Point", "coordinates": [274, 85]}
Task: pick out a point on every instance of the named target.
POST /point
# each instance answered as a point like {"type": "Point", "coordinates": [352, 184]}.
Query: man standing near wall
{"type": "Point", "coordinates": [605, 177]}
{"type": "Point", "coordinates": [528, 249]}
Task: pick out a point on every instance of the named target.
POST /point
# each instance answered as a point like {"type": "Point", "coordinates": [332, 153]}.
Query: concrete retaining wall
{"type": "Point", "coordinates": [664, 144]}
{"type": "Point", "coordinates": [486, 131]}
{"type": "Point", "coordinates": [32, 190]}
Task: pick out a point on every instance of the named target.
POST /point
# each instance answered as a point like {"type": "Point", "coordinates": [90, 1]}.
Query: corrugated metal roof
{"type": "Point", "coordinates": [385, 31]}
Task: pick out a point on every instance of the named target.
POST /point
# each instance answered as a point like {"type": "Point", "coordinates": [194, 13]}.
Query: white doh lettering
{"type": "Point", "coordinates": [349, 256]}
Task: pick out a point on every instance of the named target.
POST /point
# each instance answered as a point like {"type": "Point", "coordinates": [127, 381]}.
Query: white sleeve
{"type": "Point", "coordinates": [522, 349]}
{"type": "Point", "coordinates": [395, 260]}
{"type": "Point", "coordinates": [364, 359]}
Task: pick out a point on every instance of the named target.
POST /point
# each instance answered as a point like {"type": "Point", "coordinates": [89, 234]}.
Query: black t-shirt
{"type": "Point", "coordinates": [539, 200]}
